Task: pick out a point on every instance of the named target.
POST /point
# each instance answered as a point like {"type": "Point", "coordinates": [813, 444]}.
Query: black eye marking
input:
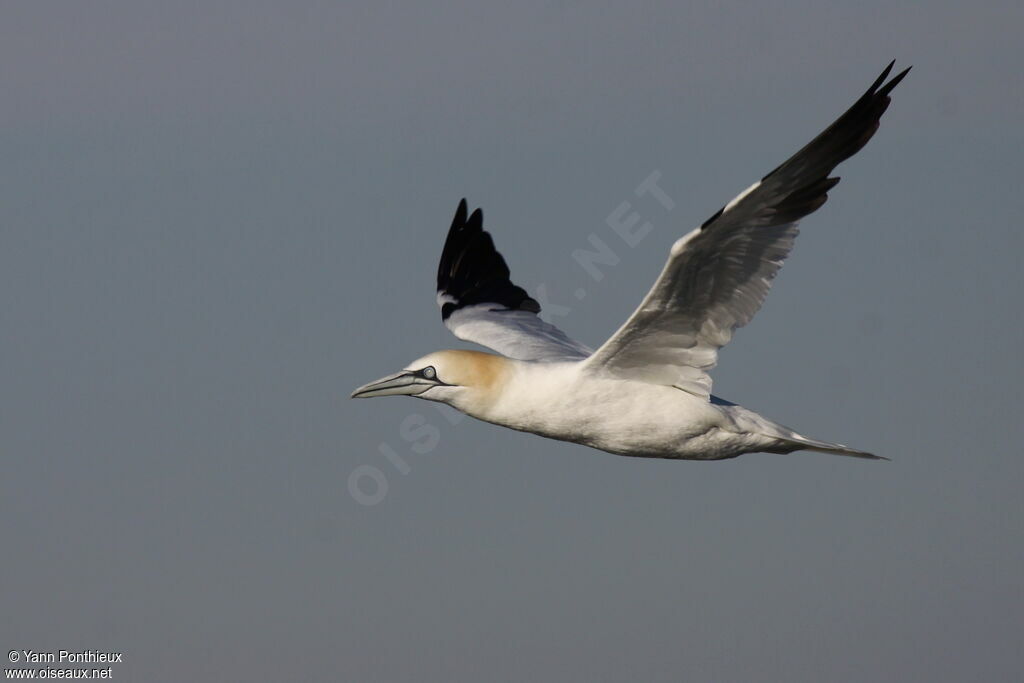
{"type": "Point", "coordinates": [430, 374]}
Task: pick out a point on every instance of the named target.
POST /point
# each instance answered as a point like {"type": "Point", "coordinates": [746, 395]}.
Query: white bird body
{"type": "Point", "coordinates": [565, 401]}
{"type": "Point", "coordinates": [621, 416]}
{"type": "Point", "coordinates": [646, 392]}
{"type": "Point", "coordinates": [559, 401]}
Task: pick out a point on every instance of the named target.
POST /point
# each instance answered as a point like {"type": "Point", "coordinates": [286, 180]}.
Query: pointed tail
{"type": "Point", "coordinates": [803, 443]}
{"type": "Point", "coordinates": [786, 439]}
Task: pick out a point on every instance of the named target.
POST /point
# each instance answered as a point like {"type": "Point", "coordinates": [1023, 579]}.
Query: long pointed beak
{"type": "Point", "coordinates": [398, 384]}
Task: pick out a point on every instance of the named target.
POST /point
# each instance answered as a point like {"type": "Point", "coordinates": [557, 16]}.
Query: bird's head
{"type": "Point", "coordinates": [458, 378]}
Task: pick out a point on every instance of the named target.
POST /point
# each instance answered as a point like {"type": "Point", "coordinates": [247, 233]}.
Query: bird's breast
{"type": "Point", "coordinates": [621, 416]}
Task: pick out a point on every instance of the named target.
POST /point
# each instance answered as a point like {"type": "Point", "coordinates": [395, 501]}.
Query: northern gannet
{"type": "Point", "coordinates": [646, 391]}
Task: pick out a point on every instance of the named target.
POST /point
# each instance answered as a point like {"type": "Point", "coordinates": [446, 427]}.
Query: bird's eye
{"type": "Point", "coordinates": [428, 372]}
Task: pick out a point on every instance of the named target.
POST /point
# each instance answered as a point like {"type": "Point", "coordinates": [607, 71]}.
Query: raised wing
{"type": "Point", "coordinates": [718, 275]}
{"type": "Point", "coordinates": [480, 304]}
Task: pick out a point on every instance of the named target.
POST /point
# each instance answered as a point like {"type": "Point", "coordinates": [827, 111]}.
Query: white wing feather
{"type": "Point", "coordinates": [717, 276]}
{"type": "Point", "coordinates": [514, 333]}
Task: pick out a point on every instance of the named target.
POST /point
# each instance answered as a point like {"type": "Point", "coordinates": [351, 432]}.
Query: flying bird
{"type": "Point", "coordinates": [645, 392]}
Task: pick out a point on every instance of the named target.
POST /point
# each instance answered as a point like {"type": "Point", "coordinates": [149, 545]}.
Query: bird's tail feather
{"type": "Point", "coordinates": [786, 440]}
{"type": "Point", "coordinates": [803, 443]}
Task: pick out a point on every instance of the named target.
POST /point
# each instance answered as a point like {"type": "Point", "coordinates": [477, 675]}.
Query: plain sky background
{"type": "Point", "coordinates": [217, 219]}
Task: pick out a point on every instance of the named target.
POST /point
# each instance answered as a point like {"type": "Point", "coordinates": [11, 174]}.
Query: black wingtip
{"type": "Point", "coordinates": [471, 271]}
{"type": "Point", "coordinates": [887, 88]}
{"type": "Point", "coordinates": [475, 221]}
{"type": "Point", "coordinates": [880, 87]}
{"type": "Point", "coordinates": [460, 215]}
{"type": "Point", "coordinates": [885, 74]}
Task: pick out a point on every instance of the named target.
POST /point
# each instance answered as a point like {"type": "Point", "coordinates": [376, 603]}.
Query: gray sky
{"type": "Point", "coordinates": [218, 219]}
